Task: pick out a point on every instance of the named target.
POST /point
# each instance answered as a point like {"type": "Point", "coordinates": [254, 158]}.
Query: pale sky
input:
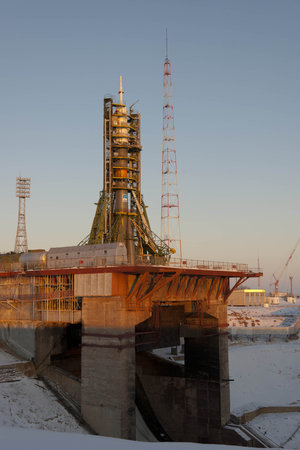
{"type": "Point", "coordinates": [236, 72]}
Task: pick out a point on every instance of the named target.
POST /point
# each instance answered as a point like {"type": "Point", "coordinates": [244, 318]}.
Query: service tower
{"type": "Point", "coordinates": [121, 213]}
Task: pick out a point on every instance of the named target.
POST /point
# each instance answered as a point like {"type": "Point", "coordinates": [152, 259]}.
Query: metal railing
{"type": "Point", "coordinates": [122, 260]}
{"type": "Point", "coordinates": [194, 263]}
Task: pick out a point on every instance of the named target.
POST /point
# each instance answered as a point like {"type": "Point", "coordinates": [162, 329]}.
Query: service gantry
{"type": "Point", "coordinates": [121, 213]}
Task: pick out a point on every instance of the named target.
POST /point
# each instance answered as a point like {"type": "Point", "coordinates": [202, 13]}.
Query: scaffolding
{"type": "Point", "coordinates": [47, 298]}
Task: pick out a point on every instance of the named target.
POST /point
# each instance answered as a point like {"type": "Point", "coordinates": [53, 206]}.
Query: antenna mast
{"type": "Point", "coordinates": [170, 218]}
{"type": "Point", "coordinates": [22, 192]}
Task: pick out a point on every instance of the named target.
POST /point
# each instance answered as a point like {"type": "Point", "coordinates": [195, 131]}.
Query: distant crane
{"type": "Point", "coordinates": [277, 279]}
{"type": "Point", "coordinates": [291, 286]}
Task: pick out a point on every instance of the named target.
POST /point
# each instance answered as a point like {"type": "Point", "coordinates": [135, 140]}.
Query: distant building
{"type": "Point", "coordinates": [273, 300]}
{"type": "Point", "coordinates": [276, 299]}
{"type": "Point", "coordinates": [247, 297]}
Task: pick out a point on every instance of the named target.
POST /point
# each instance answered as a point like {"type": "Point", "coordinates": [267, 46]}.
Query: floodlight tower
{"type": "Point", "coordinates": [22, 192]}
{"type": "Point", "coordinates": [170, 231]}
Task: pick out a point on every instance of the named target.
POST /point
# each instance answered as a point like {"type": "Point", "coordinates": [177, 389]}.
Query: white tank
{"type": "Point", "coordinates": [32, 258]}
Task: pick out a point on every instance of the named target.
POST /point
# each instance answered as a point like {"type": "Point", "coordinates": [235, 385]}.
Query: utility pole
{"type": "Point", "coordinates": [170, 231]}
{"type": "Point", "coordinates": [22, 192]}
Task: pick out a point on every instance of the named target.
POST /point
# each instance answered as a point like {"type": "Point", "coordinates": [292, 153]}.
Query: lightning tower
{"type": "Point", "coordinates": [170, 217]}
{"type": "Point", "coordinates": [22, 192]}
{"type": "Point", "coordinates": [121, 213]}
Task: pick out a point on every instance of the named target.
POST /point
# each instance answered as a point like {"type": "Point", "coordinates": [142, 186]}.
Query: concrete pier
{"type": "Point", "coordinates": [126, 311]}
{"type": "Point", "coordinates": [206, 360]}
{"type": "Point", "coordinates": [108, 366]}
{"type": "Point", "coordinates": [195, 402]}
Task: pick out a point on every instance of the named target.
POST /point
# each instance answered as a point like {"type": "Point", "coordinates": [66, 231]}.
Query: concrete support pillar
{"type": "Point", "coordinates": [206, 365]}
{"type": "Point", "coordinates": [108, 366]}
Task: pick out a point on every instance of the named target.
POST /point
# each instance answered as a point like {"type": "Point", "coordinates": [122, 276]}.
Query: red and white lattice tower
{"type": "Point", "coordinates": [170, 217]}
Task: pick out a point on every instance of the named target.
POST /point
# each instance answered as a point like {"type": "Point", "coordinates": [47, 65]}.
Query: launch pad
{"type": "Point", "coordinates": [125, 311]}
{"type": "Point", "coordinates": [128, 294]}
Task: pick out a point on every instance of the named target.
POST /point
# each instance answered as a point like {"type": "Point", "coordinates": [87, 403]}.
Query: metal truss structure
{"type": "Point", "coordinates": [170, 217]}
{"type": "Point", "coordinates": [22, 192]}
{"type": "Point", "coordinates": [121, 213]}
{"type": "Point", "coordinates": [44, 297]}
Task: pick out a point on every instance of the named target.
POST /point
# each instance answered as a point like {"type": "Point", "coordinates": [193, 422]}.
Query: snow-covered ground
{"type": "Point", "coordinates": [27, 403]}
{"type": "Point", "coordinates": [259, 316]}
{"type": "Point", "coordinates": [18, 439]}
{"type": "Point", "coordinates": [281, 428]}
{"type": "Point", "coordinates": [266, 374]}
{"type": "Point", "coordinates": [31, 418]}
{"type": "Point", "coordinates": [6, 358]}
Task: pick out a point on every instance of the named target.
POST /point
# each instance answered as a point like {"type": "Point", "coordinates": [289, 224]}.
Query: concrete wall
{"type": "Point", "coordinates": [93, 284]}
{"type": "Point", "coordinates": [108, 366]}
{"type": "Point", "coordinates": [250, 415]}
{"type": "Point", "coordinates": [34, 340]}
{"type": "Point", "coordinates": [20, 337]}
{"type": "Point", "coordinates": [60, 316]}
{"type": "Point", "coordinates": [69, 384]}
{"type": "Point", "coordinates": [263, 332]}
{"type": "Point", "coordinates": [16, 310]}
{"type": "Point", "coordinates": [186, 404]}
{"type": "Point", "coordinates": [13, 287]}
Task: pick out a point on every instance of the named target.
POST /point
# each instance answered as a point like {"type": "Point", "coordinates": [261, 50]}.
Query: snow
{"type": "Point", "coordinates": [6, 358]}
{"type": "Point", "coordinates": [18, 439]}
{"type": "Point", "coordinates": [282, 429]}
{"type": "Point", "coordinates": [165, 353]}
{"type": "Point", "coordinates": [143, 433]}
{"type": "Point", "coordinates": [264, 375]}
{"type": "Point", "coordinates": [267, 375]}
{"type": "Point", "coordinates": [294, 441]}
{"type": "Point", "coordinates": [32, 418]}
{"type": "Point", "coordinates": [259, 316]}
{"type": "Point", "coordinates": [27, 403]}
